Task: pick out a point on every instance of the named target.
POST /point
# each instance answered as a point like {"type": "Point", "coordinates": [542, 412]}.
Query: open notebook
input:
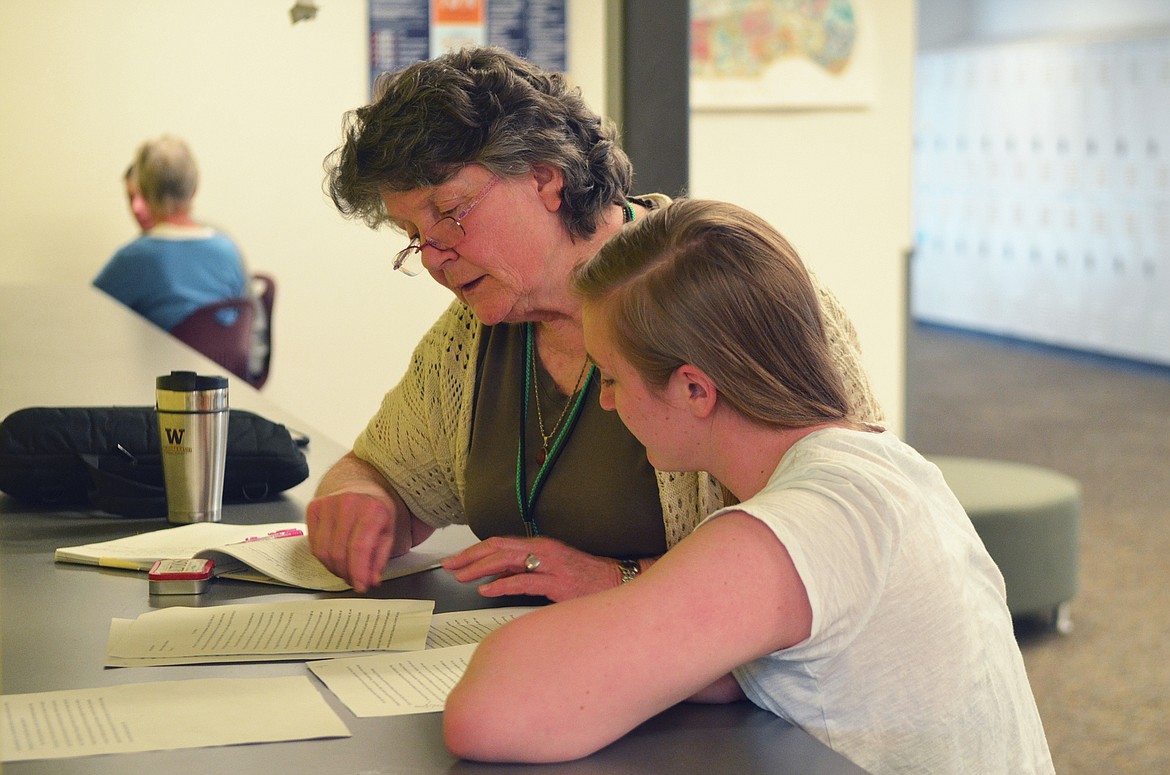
{"type": "Point", "coordinates": [272, 553]}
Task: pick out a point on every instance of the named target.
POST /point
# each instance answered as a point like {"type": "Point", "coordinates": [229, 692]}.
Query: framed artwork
{"type": "Point", "coordinates": [782, 54]}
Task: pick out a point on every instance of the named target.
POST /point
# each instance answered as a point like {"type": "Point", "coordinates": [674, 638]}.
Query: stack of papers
{"type": "Point", "coordinates": [256, 632]}
{"type": "Point", "coordinates": [396, 684]}
{"type": "Point", "coordinates": [431, 652]}
{"type": "Point", "coordinates": [379, 657]}
{"type": "Point", "coordinates": [417, 681]}
{"type": "Point", "coordinates": [163, 716]}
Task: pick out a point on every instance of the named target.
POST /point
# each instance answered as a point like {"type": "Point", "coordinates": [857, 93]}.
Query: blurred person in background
{"type": "Point", "coordinates": [176, 265]}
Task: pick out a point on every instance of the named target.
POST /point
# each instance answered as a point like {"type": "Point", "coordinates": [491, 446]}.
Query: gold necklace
{"type": "Point", "coordinates": [545, 438]}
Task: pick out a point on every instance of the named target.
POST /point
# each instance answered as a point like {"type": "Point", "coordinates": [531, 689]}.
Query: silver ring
{"type": "Point", "coordinates": [531, 563]}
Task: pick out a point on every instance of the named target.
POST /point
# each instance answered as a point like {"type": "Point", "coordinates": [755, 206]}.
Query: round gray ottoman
{"type": "Point", "coordinates": [1029, 520]}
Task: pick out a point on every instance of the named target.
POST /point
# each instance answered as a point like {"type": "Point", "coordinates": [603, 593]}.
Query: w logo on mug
{"type": "Point", "coordinates": [174, 435]}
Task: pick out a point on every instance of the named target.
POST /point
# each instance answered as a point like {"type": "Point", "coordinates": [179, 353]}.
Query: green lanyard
{"type": "Point", "coordinates": [527, 503]}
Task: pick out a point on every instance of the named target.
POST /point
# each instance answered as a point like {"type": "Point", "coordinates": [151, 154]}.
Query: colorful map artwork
{"type": "Point", "coordinates": [782, 54]}
{"type": "Point", "coordinates": [742, 38]}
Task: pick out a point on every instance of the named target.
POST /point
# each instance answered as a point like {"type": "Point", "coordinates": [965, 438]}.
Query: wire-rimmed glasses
{"type": "Point", "coordinates": [443, 235]}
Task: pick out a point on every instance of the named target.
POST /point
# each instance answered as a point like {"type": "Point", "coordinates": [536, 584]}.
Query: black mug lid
{"type": "Point", "coordinates": [187, 381]}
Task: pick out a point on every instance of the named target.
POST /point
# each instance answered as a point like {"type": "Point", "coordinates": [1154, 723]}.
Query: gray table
{"type": "Point", "coordinates": [72, 346]}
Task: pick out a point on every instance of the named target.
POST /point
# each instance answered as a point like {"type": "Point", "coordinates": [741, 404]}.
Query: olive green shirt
{"type": "Point", "coordinates": [598, 495]}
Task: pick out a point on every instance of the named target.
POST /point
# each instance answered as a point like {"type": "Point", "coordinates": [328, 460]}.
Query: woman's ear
{"type": "Point", "coordinates": [550, 181]}
{"type": "Point", "coordinates": [691, 386]}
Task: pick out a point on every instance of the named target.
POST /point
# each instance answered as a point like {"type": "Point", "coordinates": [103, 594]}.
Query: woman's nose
{"type": "Point", "coordinates": [433, 258]}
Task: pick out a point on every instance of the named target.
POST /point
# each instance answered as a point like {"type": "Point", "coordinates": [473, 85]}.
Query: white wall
{"type": "Point", "coordinates": [836, 183]}
{"type": "Point", "coordinates": [261, 100]}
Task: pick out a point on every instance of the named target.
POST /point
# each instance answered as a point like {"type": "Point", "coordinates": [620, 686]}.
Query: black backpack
{"type": "Point", "coordinates": [108, 458]}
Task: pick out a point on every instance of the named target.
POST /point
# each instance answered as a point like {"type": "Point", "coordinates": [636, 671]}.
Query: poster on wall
{"type": "Point", "coordinates": [405, 31]}
{"type": "Point", "coordinates": [783, 54]}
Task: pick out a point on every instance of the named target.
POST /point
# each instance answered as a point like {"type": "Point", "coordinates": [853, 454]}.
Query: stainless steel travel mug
{"type": "Point", "coordinates": [193, 426]}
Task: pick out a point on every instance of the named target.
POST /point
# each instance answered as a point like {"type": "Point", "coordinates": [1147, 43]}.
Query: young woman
{"type": "Point", "coordinates": [847, 590]}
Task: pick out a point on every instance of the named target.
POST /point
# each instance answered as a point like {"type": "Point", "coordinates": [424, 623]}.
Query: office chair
{"type": "Point", "coordinates": [228, 345]}
{"type": "Point", "coordinates": [264, 290]}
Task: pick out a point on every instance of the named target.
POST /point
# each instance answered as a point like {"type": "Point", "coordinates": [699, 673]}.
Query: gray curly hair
{"type": "Point", "coordinates": [481, 106]}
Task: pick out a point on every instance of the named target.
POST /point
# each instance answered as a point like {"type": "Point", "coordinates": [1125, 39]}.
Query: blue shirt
{"type": "Point", "coordinates": [167, 274]}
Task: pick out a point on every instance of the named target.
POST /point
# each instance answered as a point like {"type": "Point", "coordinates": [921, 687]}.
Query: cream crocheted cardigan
{"type": "Point", "coordinates": [420, 437]}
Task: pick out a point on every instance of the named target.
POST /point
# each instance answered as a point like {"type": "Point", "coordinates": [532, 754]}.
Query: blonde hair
{"type": "Point", "coordinates": [167, 174]}
{"type": "Point", "coordinates": [710, 284]}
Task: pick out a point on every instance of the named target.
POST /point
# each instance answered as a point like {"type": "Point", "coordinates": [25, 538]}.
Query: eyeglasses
{"type": "Point", "coordinates": [443, 235]}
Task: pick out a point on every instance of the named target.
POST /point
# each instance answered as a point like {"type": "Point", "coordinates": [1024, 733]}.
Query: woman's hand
{"type": "Point", "coordinates": [358, 522]}
{"type": "Point", "coordinates": [562, 572]}
{"type": "Point", "coordinates": [354, 534]}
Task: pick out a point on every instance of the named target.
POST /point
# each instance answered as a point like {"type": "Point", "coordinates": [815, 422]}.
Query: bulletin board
{"type": "Point", "coordinates": [405, 31]}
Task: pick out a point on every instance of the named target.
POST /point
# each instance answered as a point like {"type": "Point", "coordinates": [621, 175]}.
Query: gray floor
{"type": "Point", "coordinates": [1104, 689]}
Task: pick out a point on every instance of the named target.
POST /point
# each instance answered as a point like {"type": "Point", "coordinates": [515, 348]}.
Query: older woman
{"type": "Point", "coordinates": [504, 181]}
